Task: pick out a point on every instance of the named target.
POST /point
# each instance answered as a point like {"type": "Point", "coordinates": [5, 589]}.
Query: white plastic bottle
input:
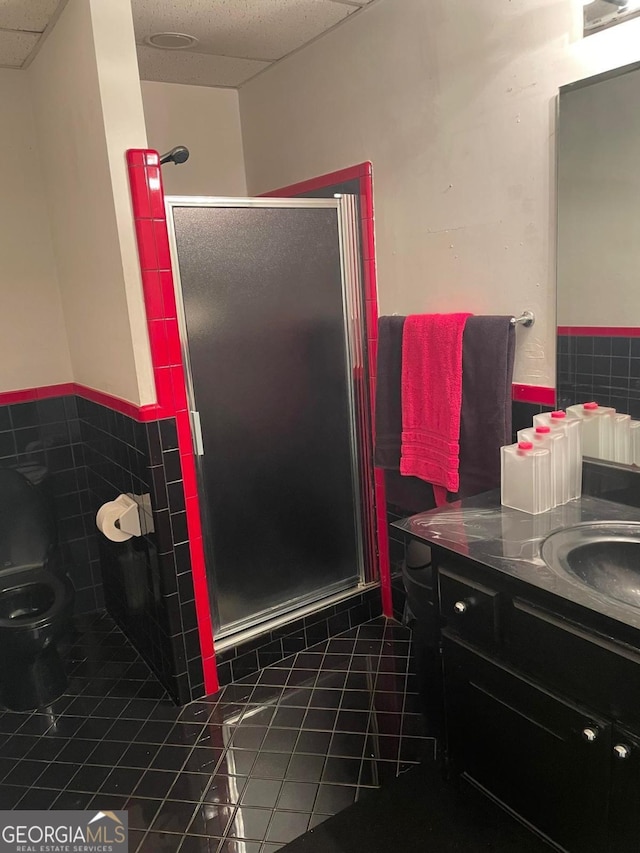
{"type": "Point", "coordinates": [526, 477]}
{"type": "Point", "coordinates": [597, 429]}
{"type": "Point", "coordinates": [543, 436]}
{"type": "Point", "coordinates": [572, 428]}
{"type": "Point", "coordinates": [622, 438]}
{"type": "Point", "coordinates": [634, 429]}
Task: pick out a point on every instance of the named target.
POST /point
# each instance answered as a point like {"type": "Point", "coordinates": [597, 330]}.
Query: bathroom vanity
{"type": "Point", "coordinates": [541, 670]}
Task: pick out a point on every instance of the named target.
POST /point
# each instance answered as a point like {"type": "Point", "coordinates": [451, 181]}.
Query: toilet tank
{"type": "Point", "coordinates": [27, 528]}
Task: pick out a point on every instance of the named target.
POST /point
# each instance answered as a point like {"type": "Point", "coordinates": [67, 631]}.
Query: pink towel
{"type": "Point", "coordinates": [432, 399]}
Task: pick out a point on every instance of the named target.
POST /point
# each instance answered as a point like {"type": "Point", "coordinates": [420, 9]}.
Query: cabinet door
{"type": "Point", "coordinates": [543, 757]}
{"type": "Point", "coordinates": [624, 808]}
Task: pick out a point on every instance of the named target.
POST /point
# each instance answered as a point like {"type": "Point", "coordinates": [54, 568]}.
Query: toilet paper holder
{"type": "Point", "coordinates": [129, 521]}
{"type": "Point", "coordinates": [120, 519]}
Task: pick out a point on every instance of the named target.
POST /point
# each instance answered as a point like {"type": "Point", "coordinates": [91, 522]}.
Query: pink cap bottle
{"type": "Point", "coordinates": [570, 425]}
{"type": "Point", "coordinates": [526, 477]}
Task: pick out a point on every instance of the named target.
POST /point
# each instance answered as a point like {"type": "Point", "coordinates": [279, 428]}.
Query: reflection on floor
{"type": "Point", "coordinates": [244, 771]}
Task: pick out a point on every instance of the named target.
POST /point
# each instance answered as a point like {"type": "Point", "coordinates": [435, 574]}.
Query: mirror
{"type": "Point", "coordinates": [598, 262]}
{"type": "Point", "coordinates": [601, 14]}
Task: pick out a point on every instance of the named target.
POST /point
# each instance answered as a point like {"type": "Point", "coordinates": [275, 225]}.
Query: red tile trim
{"type": "Point", "coordinates": [375, 533]}
{"type": "Point", "coordinates": [534, 394]}
{"type": "Point", "coordinates": [56, 390]}
{"type": "Point", "coordinates": [139, 413]}
{"type": "Point", "coordinates": [601, 331]}
{"type": "Point", "coordinates": [349, 174]}
{"type": "Point", "coordinates": [135, 156]}
{"type": "Point", "coordinates": [28, 395]}
{"type": "Point", "coordinates": [166, 354]}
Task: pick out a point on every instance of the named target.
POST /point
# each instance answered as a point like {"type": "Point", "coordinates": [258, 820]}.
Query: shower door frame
{"type": "Point", "coordinates": [351, 286]}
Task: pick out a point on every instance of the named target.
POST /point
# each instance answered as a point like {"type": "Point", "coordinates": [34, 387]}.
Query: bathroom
{"type": "Point", "coordinates": [441, 118]}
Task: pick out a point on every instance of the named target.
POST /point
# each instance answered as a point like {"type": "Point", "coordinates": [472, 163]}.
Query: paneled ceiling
{"type": "Point", "coordinates": [236, 39]}
{"type": "Point", "coordinates": [22, 23]}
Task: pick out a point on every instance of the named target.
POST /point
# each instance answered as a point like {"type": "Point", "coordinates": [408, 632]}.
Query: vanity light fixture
{"type": "Point", "coordinates": [171, 41]}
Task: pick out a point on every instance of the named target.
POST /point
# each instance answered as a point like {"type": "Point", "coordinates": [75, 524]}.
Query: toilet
{"type": "Point", "coordinates": [36, 597]}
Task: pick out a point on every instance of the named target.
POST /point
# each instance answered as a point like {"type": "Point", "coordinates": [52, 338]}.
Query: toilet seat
{"type": "Point", "coordinates": [32, 598]}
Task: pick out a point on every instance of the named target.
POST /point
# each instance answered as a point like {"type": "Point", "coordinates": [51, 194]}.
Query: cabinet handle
{"type": "Point", "coordinates": [621, 751]}
{"type": "Point", "coordinates": [460, 607]}
{"type": "Point", "coordinates": [589, 734]}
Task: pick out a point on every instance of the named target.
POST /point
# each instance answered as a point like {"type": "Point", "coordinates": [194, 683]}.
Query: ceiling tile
{"type": "Point", "coordinates": [198, 69]}
{"type": "Point", "coordinates": [253, 29]}
{"type": "Point", "coordinates": [26, 14]}
{"type": "Point", "coordinates": [15, 47]}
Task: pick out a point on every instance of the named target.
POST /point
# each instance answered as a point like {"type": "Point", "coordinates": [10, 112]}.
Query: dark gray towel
{"type": "Point", "coordinates": [388, 394]}
{"type": "Point", "coordinates": [488, 351]}
{"type": "Point", "coordinates": [408, 494]}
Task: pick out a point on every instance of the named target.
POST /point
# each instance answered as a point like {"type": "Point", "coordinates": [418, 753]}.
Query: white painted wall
{"type": "Point", "coordinates": [454, 103]}
{"type": "Point", "coordinates": [33, 340]}
{"type": "Point", "coordinates": [207, 121]}
{"type": "Point", "coordinates": [88, 110]}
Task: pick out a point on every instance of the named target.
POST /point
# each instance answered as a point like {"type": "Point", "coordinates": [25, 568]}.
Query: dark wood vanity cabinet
{"type": "Point", "coordinates": [541, 712]}
{"type": "Point", "coordinates": [624, 808]}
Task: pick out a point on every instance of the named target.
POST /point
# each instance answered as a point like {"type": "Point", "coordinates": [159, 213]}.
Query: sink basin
{"type": "Point", "coordinates": [602, 555]}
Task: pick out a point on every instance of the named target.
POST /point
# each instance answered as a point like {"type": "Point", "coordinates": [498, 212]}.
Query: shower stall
{"type": "Point", "coordinates": [271, 325]}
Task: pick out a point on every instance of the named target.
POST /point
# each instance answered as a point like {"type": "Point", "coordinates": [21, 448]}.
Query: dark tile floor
{"type": "Point", "coordinates": [243, 771]}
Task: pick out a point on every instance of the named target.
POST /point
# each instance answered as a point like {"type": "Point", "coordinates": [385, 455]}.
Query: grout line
{"type": "Point", "coordinates": [298, 662]}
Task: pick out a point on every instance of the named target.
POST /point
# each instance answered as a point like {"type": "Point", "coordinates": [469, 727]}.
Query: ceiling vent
{"type": "Point", "coordinates": [171, 41]}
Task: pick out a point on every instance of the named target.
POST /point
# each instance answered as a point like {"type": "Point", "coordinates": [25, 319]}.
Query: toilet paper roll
{"type": "Point", "coordinates": [107, 520]}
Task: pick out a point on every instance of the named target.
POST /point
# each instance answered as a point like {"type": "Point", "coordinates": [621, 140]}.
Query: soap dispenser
{"type": "Point", "coordinates": [526, 477]}
{"type": "Point", "coordinates": [556, 441]}
{"type": "Point", "coordinates": [572, 428]}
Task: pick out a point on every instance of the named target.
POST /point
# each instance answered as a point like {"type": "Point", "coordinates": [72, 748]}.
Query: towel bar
{"type": "Point", "coordinates": [526, 319]}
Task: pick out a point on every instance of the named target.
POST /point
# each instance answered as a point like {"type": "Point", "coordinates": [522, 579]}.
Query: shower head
{"type": "Point", "coordinates": [177, 155]}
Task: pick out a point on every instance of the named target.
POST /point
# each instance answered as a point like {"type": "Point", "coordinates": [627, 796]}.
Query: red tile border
{"type": "Point", "coordinates": [56, 390]}
{"type": "Point", "coordinates": [349, 174]}
{"type": "Point", "coordinates": [158, 341]}
{"type": "Point", "coordinates": [522, 393]}
{"type": "Point", "coordinates": [168, 295]}
{"type": "Point", "coordinates": [139, 413]}
{"type": "Point", "coordinates": [153, 295]}
{"type": "Point", "coordinates": [166, 354]}
{"type": "Point", "coordinates": [135, 156]}
{"type": "Point", "coordinates": [189, 476]}
{"type": "Point", "coordinates": [533, 394]}
{"type": "Point", "coordinates": [164, 389]}
{"type": "Point", "coordinates": [146, 244]}
{"type": "Point", "coordinates": [140, 192]}
{"type": "Point", "coordinates": [600, 331]}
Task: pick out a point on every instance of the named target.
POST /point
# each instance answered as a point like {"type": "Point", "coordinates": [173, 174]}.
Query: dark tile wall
{"type": "Point", "coordinates": [398, 597]}
{"type": "Point", "coordinates": [42, 440]}
{"type": "Point", "coordinates": [148, 585]}
{"type": "Point", "coordinates": [274, 646]}
{"type": "Point", "coordinates": [611, 482]}
{"type": "Point", "coordinates": [82, 455]}
{"type": "Point", "coordinates": [396, 541]}
{"type": "Point", "coordinates": [600, 368]}
{"type": "Point", "coordinates": [522, 415]}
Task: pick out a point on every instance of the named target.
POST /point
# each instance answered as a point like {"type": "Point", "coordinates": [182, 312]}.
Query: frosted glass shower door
{"type": "Point", "coordinates": [266, 346]}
